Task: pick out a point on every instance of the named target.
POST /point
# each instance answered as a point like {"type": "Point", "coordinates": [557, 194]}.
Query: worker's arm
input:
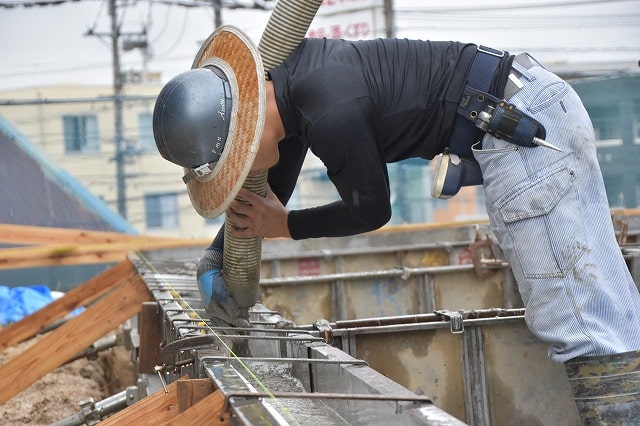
{"type": "Point", "coordinates": [282, 177]}
{"type": "Point", "coordinates": [214, 293]}
{"type": "Point", "coordinates": [344, 140]}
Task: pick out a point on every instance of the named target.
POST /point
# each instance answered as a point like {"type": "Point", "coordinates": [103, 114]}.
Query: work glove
{"type": "Point", "coordinates": [218, 302]}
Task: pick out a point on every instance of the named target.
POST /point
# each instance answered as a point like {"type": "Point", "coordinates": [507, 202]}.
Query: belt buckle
{"type": "Point", "coordinates": [490, 51]}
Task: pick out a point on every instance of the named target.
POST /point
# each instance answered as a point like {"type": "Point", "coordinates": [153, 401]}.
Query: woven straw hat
{"type": "Point", "coordinates": [232, 50]}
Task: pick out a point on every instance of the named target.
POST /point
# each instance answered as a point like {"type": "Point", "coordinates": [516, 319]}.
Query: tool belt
{"type": "Point", "coordinates": [480, 112]}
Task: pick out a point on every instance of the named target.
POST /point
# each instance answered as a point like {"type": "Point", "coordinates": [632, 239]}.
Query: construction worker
{"type": "Point", "coordinates": [485, 116]}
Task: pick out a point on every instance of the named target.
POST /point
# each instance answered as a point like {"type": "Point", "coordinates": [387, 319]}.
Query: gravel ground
{"type": "Point", "coordinates": [58, 394]}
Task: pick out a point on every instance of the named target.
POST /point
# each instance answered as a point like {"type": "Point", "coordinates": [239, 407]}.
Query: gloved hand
{"type": "Point", "coordinates": [218, 302]}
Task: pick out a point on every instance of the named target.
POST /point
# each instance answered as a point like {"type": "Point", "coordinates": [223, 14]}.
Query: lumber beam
{"type": "Point", "coordinates": [150, 329]}
{"type": "Point", "coordinates": [192, 391]}
{"type": "Point", "coordinates": [62, 344]}
{"type": "Point", "coordinates": [76, 254]}
{"type": "Point", "coordinates": [41, 246]}
{"type": "Point", "coordinates": [76, 297]}
{"type": "Point", "coordinates": [157, 408]}
{"type": "Point", "coordinates": [203, 406]}
{"type": "Point", "coordinates": [210, 410]}
{"type": "Point", "coordinates": [36, 235]}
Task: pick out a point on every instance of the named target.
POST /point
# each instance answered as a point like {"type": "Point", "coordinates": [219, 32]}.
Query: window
{"type": "Point", "coordinates": [606, 124]}
{"type": "Point", "coordinates": [161, 210]}
{"type": "Point", "coordinates": [146, 142]}
{"type": "Point", "coordinates": [636, 121]}
{"type": "Point", "coordinates": [81, 133]}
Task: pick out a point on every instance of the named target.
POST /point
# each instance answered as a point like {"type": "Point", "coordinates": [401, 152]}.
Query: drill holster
{"type": "Point", "coordinates": [451, 172]}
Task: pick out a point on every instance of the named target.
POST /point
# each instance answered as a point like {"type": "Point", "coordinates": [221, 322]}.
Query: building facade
{"type": "Point", "coordinates": [75, 127]}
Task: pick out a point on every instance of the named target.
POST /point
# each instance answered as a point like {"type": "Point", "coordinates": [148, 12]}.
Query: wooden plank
{"type": "Point", "coordinates": [191, 391]}
{"type": "Point", "coordinates": [62, 344]}
{"type": "Point", "coordinates": [150, 326]}
{"type": "Point", "coordinates": [157, 408]}
{"type": "Point", "coordinates": [68, 259]}
{"type": "Point", "coordinates": [78, 296]}
{"type": "Point", "coordinates": [209, 411]}
{"type": "Point", "coordinates": [35, 235]}
{"type": "Point", "coordinates": [28, 235]}
{"type": "Point", "coordinates": [71, 254]}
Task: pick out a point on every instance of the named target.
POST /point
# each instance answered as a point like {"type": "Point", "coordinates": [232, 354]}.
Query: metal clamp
{"type": "Point", "coordinates": [326, 332]}
{"type": "Point", "coordinates": [483, 256]}
{"type": "Point", "coordinates": [456, 320]}
{"type": "Point", "coordinates": [624, 230]}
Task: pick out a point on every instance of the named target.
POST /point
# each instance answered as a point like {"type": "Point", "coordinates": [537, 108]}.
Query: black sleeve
{"type": "Point", "coordinates": [344, 140]}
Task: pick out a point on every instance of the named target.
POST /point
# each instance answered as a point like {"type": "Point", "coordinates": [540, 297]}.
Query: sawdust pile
{"type": "Point", "coordinates": [58, 394]}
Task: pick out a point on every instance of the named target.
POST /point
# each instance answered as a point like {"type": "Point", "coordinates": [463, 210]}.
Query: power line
{"type": "Point", "coordinates": [506, 6]}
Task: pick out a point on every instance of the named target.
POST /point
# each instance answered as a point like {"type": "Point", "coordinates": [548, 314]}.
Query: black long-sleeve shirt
{"type": "Point", "coordinates": [358, 105]}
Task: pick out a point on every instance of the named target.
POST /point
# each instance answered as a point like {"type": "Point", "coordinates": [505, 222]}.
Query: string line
{"type": "Point", "coordinates": [248, 370]}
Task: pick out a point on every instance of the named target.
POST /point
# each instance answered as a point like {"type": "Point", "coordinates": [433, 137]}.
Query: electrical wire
{"type": "Point", "coordinates": [504, 6]}
{"type": "Point", "coordinates": [179, 37]}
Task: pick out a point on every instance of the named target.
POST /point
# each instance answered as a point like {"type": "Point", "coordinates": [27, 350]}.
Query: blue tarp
{"type": "Point", "coordinates": [18, 302]}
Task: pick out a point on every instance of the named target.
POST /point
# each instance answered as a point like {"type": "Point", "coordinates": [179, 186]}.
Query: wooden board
{"type": "Point", "coordinates": [62, 344]}
{"type": "Point", "coordinates": [160, 408]}
{"type": "Point", "coordinates": [157, 408]}
{"type": "Point", "coordinates": [79, 254]}
{"type": "Point", "coordinates": [192, 391]}
{"type": "Point", "coordinates": [79, 296]}
{"type": "Point", "coordinates": [42, 246]}
{"type": "Point", "coordinates": [209, 411]}
{"type": "Point", "coordinates": [150, 329]}
{"type": "Point", "coordinates": [36, 235]}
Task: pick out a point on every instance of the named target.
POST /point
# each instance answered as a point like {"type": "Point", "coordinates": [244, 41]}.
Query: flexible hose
{"type": "Point", "coordinates": [287, 26]}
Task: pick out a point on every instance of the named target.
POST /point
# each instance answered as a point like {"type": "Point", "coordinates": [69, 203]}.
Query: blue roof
{"type": "Point", "coordinates": [34, 191]}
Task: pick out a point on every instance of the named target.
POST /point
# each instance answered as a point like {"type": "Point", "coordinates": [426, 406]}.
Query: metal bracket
{"type": "Point", "coordinates": [456, 320]}
{"type": "Point", "coordinates": [624, 230]}
{"type": "Point", "coordinates": [484, 258]}
{"type": "Point", "coordinates": [170, 351]}
{"type": "Point", "coordinates": [326, 332]}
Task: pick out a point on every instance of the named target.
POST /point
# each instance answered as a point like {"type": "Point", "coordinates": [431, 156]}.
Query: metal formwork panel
{"type": "Point", "coordinates": [522, 382]}
{"type": "Point", "coordinates": [425, 361]}
{"type": "Point", "coordinates": [381, 296]}
{"type": "Point", "coordinates": [388, 292]}
{"type": "Point", "coordinates": [293, 301]}
{"type": "Point", "coordinates": [491, 371]}
{"type": "Point", "coordinates": [285, 375]}
{"type": "Point", "coordinates": [463, 289]}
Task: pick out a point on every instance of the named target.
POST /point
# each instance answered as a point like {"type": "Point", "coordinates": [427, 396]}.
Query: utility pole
{"type": "Point", "coordinates": [217, 13]}
{"type": "Point", "coordinates": [389, 19]}
{"type": "Point", "coordinates": [118, 84]}
{"type": "Point", "coordinates": [117, 109]}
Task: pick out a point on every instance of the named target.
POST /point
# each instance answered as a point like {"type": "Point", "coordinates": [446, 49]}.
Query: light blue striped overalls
{"type": "Point", "coordinates": [550, 214]}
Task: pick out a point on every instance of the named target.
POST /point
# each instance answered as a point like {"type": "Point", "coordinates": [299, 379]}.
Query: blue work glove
{"type": "Point", "coordinates": [218, 302]}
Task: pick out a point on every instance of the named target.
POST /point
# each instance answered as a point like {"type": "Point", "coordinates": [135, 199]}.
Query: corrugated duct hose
{"type": "Point", "coordinates": [287, 26]}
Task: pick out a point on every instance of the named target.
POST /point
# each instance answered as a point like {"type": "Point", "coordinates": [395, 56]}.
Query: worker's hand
{"type": "Point", "coordinates": [255, 216]}
{"type": "Point", "coordinates": [218, 302]}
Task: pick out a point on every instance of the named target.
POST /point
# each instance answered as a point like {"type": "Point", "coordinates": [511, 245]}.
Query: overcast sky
{"type": "Point", "coordinates": [45, 45]}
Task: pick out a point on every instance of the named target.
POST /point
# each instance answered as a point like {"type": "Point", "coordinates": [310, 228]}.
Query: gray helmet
{"type": "Point", "coordinates": [191, 119]}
